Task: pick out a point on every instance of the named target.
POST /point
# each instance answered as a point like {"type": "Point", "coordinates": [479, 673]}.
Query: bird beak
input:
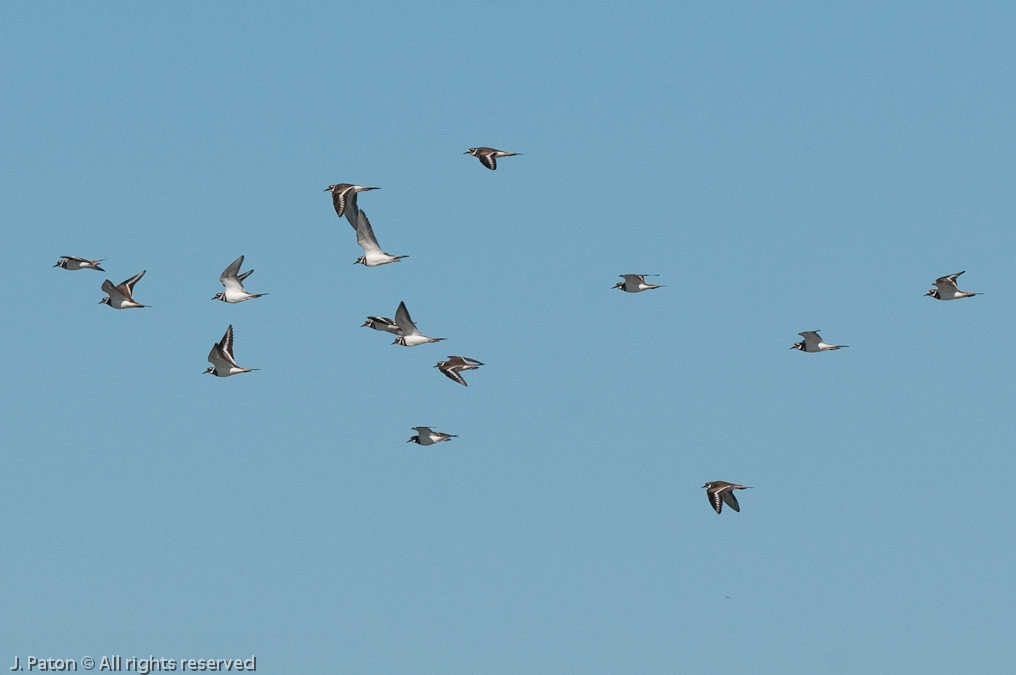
{"type": "Point", "coordinates": [328, 189]}
{"type": "Point", "coordinates": [466, 152]}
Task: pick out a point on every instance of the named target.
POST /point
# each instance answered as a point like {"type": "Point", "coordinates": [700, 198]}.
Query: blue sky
{"type": "Point", "coordinates": [783, 167]}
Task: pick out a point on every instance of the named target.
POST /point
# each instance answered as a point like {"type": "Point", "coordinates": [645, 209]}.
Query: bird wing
{"type": "Point", "coordinates": [218, 359]}
{"type": "Point", "coordinates": [487, 157]}
{"type": "Point", "coordinates": [451, 372]}
{"type": "Point", "coordinates": [111, 290]}
{"type": "Point", "coordinates": [233, 269]}
{"type": "Point", "coordinates": [634, 278]}
{"type": "Point", "coordinates": [77, 259]}
{"type": "Point", "coordinates": [127, 287]}
{"type": "Point", "coordinates": [947, 283]}
{"type": "Point", "coordinates": [727, 494]}
{"type": "Point", "coordinates": [226, 346]}
{"type": "Point", "coordinates": [403, 321]}
{"type": "Point", "coordinates": [365, 235]}
{"type": "Point", "coordinates": [229, 277]}
{"type": "Point", "coordinates": [714, 499]}
{"type": "Point", "coordinates": [340, 201]}
{"type": "Point", "coordinates": [423, 430]}
{"type": "Point", "coordinates": [811, 338]}
{"type": "Point", "coordinates": [245, 275]}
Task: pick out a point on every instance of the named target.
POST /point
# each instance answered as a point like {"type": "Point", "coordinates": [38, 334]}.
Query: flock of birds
{"type": "Point", "coordinates": [224, 364]}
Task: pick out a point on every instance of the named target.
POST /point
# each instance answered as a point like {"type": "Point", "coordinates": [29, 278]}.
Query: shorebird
{"type": "Point", "coordinates": [945, 289]}
{"type": "Point", "coordinates": [344, 200]}
{"type": "Point", "coordinates": [221, 357]}
{"type": "Point", "coordinates": [409, 336]}
{"type": "Point", "coordinates": [635, 283]}
{"type": "Point", "coordinates": [373, 255]}
{"type": "Point", "coordinates": [488, 156]}
{"type": "Point", "coordinates": [381, 323]}
{"type": "Point", "coordinates": [69, 262]}
{"type": "Point", "coordinates": [813, 343]}
{"type": "Point", "coordinates": [719, 491]}
{"type": "Point", "coordinates": [122, 296]}
{"type": "Point", "coordinates": [234, 284]}
{"type": "Point", "coordinates": [452, 367]}
{"type": "Point", "coordinates": [427, 437]}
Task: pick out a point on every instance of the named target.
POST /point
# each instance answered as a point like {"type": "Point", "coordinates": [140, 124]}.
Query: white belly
{"type": "Point", "coordinates": [413, 340]}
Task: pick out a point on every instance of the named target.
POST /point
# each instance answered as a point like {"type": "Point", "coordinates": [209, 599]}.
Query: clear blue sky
{"type": "Point", "coordinates": [783, 167]}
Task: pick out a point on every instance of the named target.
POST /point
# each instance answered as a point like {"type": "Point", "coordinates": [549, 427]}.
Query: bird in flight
{"type": "Point", "coordinates": [372, 253]}
{"type": "Point", "coordinates": [409, 335]}
{"type": "Point", "coordinates": [122, 296]}
{"type": "Point", "coordinates": [635, 283]}
{"type": "Point", "coordinates": [381, 323]}
{"type": "Point", "coordinates": [427, 437]}
{"type": "Point", "coordinates": [488, 156]}
{"type": "Point", "coordinates": [455, 365]}
{"type": "Point", "coordinates": [221, 357]}
{"type": "Point", "coordinates": [719, 491]}
{"type": "Point", "coordinates": [69, 262]}
{"type": "Point", "coordinates": [945, 289]}
{"type": "Point", "coordinates": [344, 200]}
{"type": "Point", "coordinates": [234, 284]}
{"type": "Point", "coordinates": [813, 343]}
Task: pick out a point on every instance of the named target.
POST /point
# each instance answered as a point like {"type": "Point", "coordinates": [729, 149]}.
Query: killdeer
{"type": "Point", "coordinates": [122, 296]}
{"type": "Point", "coordinates": [221, 358]}
{"type": "Point", "coordinates": [344, 200]}
{"type": "Point", "coordinates": [69, 262]}
{"type": "Point", "coordinates": [488, 156]}
{"type": "Point", "coordinates": [635, 283]}
{"type": "Point", "coordinates": [234, 284]}
{"type": "Point", "coordinates": [373, 255]}
{"type": "Point", "coordinates": [427, 437]}
{"type": "Point", "coordinates": [454, 365]}
{"type": "Point", "coordinates": [719, 491]}
{"type": "Point", "coordinates": [409, 336]}
{"type": "Point", "coordinates": [381, 323]}
{"type": "Point", "coordinates": [813, 343]}
{"type": "Point", "coordinates": [945, 289]}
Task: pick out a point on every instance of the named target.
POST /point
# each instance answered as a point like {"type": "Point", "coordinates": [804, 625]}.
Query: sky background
{"type": "Point", "coordinates": [783, 166]}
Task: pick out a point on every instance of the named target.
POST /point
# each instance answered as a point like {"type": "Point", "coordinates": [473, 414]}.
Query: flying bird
{"type": "Point", "coordinates": [344, 200]}
{"type": "Point", "coordinates": [409, 335]}
{"type": "Point", "coordinates": [635, 283]}
{"type": "Point", "coordinates": [381, 323]}
{"type": "Point", "coordinates": [69, 262]}
{"type": "Point", "coordinates": [454, 365]}
{"type": "Point", "coordinates": [719, 492]}
{"type": "Point", "coordinates": [234, 284]}
{"type": "Point", "coordinates": [221, 357]}
{"type": "Point", "coordinates": [122, 296]}
{"type": "Point", "coordinates": [427, 437]}
{"type": "Point", "coordinates": [488, 156]}
{"type": "Point", "coordinates": [373, 255]}
{"type": "Point", "coordinates": [813, 343]}
{"type": "Point", "coordinates": [945, 289]}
